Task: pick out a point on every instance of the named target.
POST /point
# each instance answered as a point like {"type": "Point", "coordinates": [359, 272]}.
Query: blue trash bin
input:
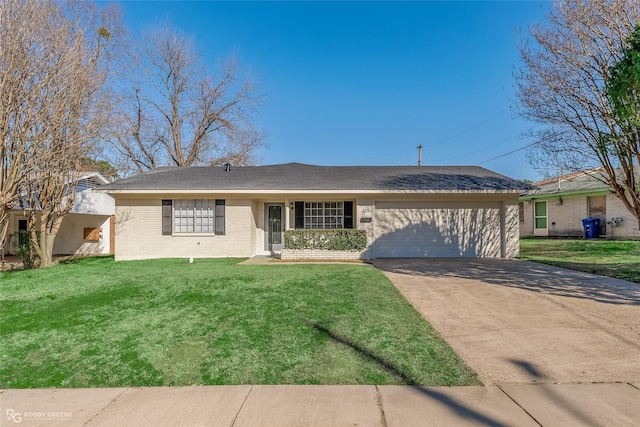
{"type": "Point", "coordinates": [591, 228]}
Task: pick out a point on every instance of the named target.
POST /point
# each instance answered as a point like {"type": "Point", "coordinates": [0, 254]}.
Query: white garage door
{"type": "Point", "coordinates": [435, 229]}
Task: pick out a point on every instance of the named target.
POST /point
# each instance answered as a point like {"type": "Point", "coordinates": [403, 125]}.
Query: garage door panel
{"type": "Point", "coordinates": [453, 229]}
{"type": "Point", "coordinates": [395, 249]}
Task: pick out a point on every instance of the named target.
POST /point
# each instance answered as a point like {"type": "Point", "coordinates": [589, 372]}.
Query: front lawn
{"type": "Point", "coordinates": [613, 258]}
{"type": "Point", "coordinates": [98, 323]}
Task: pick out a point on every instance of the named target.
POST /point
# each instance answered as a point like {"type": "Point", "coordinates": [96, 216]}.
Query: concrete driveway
{"type": "Point", "coordinates": [520, 322]}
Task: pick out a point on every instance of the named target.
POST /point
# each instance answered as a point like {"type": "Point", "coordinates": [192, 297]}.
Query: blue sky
{"type": "Point", "coordinates": [364, 83]}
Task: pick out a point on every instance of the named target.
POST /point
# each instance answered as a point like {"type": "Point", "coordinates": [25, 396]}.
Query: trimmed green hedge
{"type": "Point", "coordinates": [332, 240]}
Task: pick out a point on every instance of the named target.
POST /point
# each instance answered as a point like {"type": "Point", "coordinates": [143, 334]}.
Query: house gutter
{"type": "Point", "coordinates": [299, 191]}
{"type": "Point", "coordinates": [596, 192]}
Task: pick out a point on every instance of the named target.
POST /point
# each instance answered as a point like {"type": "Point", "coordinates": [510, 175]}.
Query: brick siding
{"type": "Point", "coordinates": [293, 254]}
{"type": "Point", "coordinates": [139, 233]}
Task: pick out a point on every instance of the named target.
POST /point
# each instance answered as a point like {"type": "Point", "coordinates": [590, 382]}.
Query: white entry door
{"type": "Point", "coordinates": [275, 227]}
{"type": "Point", "coordinates": [540, 227]}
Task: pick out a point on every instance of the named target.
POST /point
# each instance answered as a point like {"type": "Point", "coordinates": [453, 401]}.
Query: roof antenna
{"type": "Point", "coordinates": [227, 167]}
{"type": "Point", "coordinates": [420, 155]}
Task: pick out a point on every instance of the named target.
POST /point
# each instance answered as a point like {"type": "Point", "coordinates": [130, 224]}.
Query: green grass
{"type": "Point", "coordinates": [100, 323]}
{"type": "Point", "coordinates": [612, 258]}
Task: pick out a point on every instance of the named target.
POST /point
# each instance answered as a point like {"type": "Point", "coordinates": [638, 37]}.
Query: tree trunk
{"type": "Point", "coordinates": [4, 225]}
{"type": "Point", "coordinates": [44, 238]}
{"type": "Point", "coordinates": [46, 248]}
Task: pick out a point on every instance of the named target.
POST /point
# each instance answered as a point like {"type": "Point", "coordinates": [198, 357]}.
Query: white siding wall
{"type": "Point", "coordinates": [88, 202]}
{"type": "Point", "coordinates": [70, 239]}
{"type": "Point", "coordinates": [139, 233]}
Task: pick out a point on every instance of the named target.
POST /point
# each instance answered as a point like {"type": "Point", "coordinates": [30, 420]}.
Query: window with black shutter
{"type": "Point", "coordinates": [348, 214]}
{"type": "Point", "coordinates": [193, 216]}
{"type": "Point", "coordinates": [220, 208]}
{"type": "Point", "coordinates": [299, 212]}
{"type": "Point", "coordinates": [166, 217]}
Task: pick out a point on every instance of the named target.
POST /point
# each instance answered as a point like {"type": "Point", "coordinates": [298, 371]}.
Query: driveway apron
{"type": "Point", "coordinates": [520, 322]}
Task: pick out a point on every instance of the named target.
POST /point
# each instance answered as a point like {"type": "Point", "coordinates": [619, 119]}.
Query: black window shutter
{"type": "Point", "coordinates": [299, 214]}
{"type": "Point", "coordinates": [348, 214]}
{"type": "Point", "coordinates": [166, 217]}
{"type": "Point", "coordinates": [219, 225]}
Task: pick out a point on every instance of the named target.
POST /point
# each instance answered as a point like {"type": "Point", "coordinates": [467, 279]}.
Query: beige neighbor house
{"type": "Point", "coordinates": [557, 207]}
{"type": "Point", "coordinates": [225, 211]}
{"type": "Point", "coordinates": [86, 230]}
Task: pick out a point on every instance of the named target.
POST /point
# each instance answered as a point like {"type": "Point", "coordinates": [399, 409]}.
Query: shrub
{"type": "Point", "coordinates": [333, 240]}
{"type": "Point", "coordinates": [24, 249]}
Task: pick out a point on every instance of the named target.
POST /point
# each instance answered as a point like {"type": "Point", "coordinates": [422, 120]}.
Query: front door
{"type": "Point", "coordinates": [540, 219]}
{"type": "Point", "coordinates": [598, 209]}
{"type": "Point", "coordinates": [275, 228]}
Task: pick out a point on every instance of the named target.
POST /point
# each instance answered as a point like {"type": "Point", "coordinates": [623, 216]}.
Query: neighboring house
{"type": "Point", "coordinates": [86, 230]}
{"type": "Point", "coordinates": [558, 205]}
{"type": "Point", "coordinates": [414, 211]}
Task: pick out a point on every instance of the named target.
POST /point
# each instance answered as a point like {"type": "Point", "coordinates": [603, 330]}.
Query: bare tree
{"type": "Point", "coordinates": [21, 107]}
{"type": "Point", "coordinates": [180, 115]}
{"type": "Point", "coordinates": [52, 109]}
{"type": "Point", "coordinates": [623, 89]}
{"type": "Point", "coordinates": [562, 85]}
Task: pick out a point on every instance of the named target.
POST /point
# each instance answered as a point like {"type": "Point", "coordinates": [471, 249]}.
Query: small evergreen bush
{"type": "Point", "coordinates": [332, 239]}
{"type": "Point", "coordinates": [24, 249]}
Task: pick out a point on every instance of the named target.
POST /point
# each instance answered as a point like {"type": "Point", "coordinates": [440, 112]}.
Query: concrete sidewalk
{"type": "Point", "coordinates": [289, 405]}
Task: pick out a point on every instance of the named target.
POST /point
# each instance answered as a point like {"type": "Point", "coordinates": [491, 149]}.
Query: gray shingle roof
{"type": "Point", "coordinates": [297, 176]}
{"type": "Point", "coordinates": [582, 182]}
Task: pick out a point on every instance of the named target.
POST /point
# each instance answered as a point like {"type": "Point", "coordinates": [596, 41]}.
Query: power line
{"type": "Point", "coordinates": [385, 155]}
{"type": "Point", "coordinates": [546, 138]}
{"type": "Point", "coordinates": [481, 150]}
{"type": "Point", "coordinates": [467, 130]}
{"type": "Point", "coordinates": [506, 154]}
{"type": "Point", "coordinates": [477, 125]}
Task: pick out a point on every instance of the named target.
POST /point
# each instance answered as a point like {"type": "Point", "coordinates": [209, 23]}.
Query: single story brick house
{"type": "Point", "coordinates": [229, 211]}
{"type": "Point", "coordinates": [557, 206]}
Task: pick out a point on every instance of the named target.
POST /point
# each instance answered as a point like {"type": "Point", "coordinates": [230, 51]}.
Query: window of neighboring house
{"type": "Point", "coordinates": [193, 216]}
{"type": "Point", "coordinates": [540, 214]}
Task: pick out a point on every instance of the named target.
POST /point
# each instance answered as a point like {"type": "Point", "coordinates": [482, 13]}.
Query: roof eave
{"type": "Point", "coordinates": [594, 192]}
{"type": "Point", "coordinates": [302, 190]}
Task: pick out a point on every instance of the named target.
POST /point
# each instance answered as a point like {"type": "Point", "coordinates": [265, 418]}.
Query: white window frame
{"type": "Point", "coordinates": [540, 231]}
{"type": "Point", "coordinates": [323, 215]}
{"type": "Point", "coordinates": [194, 216]}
